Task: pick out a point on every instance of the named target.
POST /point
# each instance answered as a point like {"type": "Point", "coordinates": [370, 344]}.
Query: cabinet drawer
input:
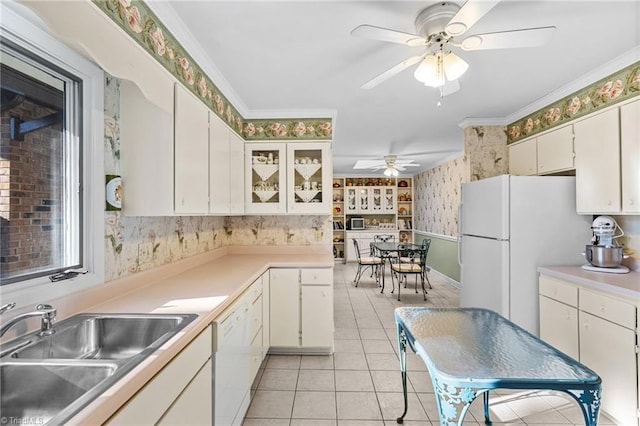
{"type": "Point", "coordinates": [317, 276]}
{"type": "Point", "coordinates": [559, 290]}
{"type": "Point", "coordinates": [255, 290]}
{"type": "Point", "coordinates": [608, 308]}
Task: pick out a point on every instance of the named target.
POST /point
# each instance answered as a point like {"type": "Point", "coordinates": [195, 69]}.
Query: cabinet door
{"type": "Point", "coordinates": [364, 199]}
{"type": "Point", "coordinates": [219, 179]}
{"type": "Point", "coordinates": [265, 178]}
{"type": "Point", "coordinates": [266, 312]}
{"type": "Point", "coordinates": [609, 350]}
{"type": "Point", "coordinates": [555, 150]}
{"type": "Point", "coordinates": [523, 158]}
{"type": "Point", "coordinates": [389, 199]}
{"type": "Point", "coordinates": [376, 199]}
{"type": "Point", "coordinates": [351, 199]}
{"type": "Point", "coordinates": [236, 174]}
{"type": "Point", "coordinates": [309, 178]}
{"type": "Point", "coordinates": [191, 148]}
{"type": "Point", "coordinates": [317, 316]}
{"type": "Point", "coordinates": [147, 151]}
{"type": "Point", "coordinates": [597, 145]}
{"type": "Point", "coordinates": [284, 307]}
{"type": "Point", "coordinates": [559, 326]}
{"type": "Point", "coordinates": [630, 156]}
{"type": "Point", "coordinates": [194, 406]}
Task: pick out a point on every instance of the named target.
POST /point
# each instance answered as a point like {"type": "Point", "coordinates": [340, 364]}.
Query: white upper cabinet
{"type": "Point", "coordinates": [523, 158]}
{"type": "Point", "coordinates": [597, 145]}
{"type": "Point", "coordinates": [630, 156]}
{"type": "Point", "coordinates": [290, 178]}
{"type": "Point", "coordinates": [555, 150]}
{"type": "Point", "coordinates": [219, 166]}
{"type": "Point", "coordinates": [550, 152]}
{"type": "Point", "coordinates": [309, 178]}
{"type": "Point", "coordinates": [236, 174]}
{"type": "Point", "coordinates": [265, 178]}
{"type": "Point", "coordinates": [146, 135]}
{"type": "Point", "coordinates": [191, 148]}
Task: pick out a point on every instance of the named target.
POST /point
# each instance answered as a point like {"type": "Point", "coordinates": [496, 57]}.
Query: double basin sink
{"type": "Point", "coordinates": [48, 379]}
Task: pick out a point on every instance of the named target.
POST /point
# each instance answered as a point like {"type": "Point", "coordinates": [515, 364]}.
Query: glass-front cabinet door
{"type": "Point", "coordinates": [376, 199]}
{"type": "Point", "coordinates": [265, 165]}
{"type": "Point", "coordinates": [365, 199]}
{"type": "Point", "coordinates": [351, 199]}
{"type": "Point", "coordinates": [388, 199]}
{"type": "Point", "coordinates": [309, 178]}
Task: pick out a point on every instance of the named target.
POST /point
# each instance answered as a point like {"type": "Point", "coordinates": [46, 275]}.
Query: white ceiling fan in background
{"type": "Point", "coordinates": [390, 163]}
{"type": "Point", "coordinates": [438, 27]}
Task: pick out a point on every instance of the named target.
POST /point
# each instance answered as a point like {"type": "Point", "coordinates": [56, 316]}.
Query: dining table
{"type": "Point", "coordinates": [388, 251]}
{"type": "Point", "coordinates": [471, 351]}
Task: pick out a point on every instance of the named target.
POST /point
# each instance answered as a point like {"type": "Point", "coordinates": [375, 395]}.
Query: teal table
{"type": "Point", "coordinates": [470, 351]}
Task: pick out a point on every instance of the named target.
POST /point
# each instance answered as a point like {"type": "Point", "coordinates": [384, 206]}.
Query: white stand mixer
{"type": "Point", "coordinates": [605, 254]}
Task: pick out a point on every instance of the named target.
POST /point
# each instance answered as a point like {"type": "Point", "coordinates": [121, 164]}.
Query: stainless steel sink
{"type": "Point", "coordinates": [50, 378]}
{"type": "Point", "coordinates": [89, 336]}
{"type": "Point", "coordinates": [36, 392]}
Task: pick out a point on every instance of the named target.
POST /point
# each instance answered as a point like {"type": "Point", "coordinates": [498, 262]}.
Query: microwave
{"type": "Point", "coordinates": [357, 223]}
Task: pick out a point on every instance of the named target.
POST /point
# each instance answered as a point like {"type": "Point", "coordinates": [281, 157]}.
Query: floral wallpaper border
{"type": "Point", "coordinates": [619, 86]}
{"type": "Point", "coordinates": [142, 25]}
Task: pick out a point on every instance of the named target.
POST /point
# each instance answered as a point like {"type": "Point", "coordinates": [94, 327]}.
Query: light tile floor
{"type": "Point", "coordinates": [360, 384]}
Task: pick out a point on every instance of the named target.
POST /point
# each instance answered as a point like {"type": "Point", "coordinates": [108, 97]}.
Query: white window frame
{"type": "Point", "coordinates": [17, 26]}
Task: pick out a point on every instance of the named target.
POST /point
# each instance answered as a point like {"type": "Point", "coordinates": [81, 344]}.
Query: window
{"type": "Point", "coordinates": [51, 164]}
{"type": "Point", "coordinates": [39, 154]}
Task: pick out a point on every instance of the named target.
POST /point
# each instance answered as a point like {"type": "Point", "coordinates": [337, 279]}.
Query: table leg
{"type": "Point", "coordinates": [589, 401]}
{"type": "Point", "coordinates": [487, 418]}
{"type": "Point", "coordinates": [449, 398]}
{"type": "Point", "coordinates": [402, 354]}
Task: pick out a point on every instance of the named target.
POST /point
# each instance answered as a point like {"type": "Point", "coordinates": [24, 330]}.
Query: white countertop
{"type": "Point", "coordinates": [627, 285]}
{"type": "Point", "coordinates": [205, 285]}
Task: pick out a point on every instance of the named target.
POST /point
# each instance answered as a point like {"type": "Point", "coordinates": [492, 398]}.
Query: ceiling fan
{"type": "Point", "coordinates": [438, 27]}
{"type": "Point", "coordinates": [390, 163]}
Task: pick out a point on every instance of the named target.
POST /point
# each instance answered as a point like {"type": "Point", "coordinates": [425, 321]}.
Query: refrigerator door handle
{"type": "Point", "coordinates": [459, 233]}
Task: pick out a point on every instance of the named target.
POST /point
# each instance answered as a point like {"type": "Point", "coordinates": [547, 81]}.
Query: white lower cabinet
{"type": "Point", "coordinates": [600, 330]}
{"type": "Point", "coordinates": [301, 310]}
{"type": "Point", "coordinates": [166, 395]}
{"type": "Point", "coordinates": [193, 405]}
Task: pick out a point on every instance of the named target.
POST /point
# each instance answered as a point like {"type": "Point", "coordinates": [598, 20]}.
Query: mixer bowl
{"type": "Point", "coordinates": [602, 256]}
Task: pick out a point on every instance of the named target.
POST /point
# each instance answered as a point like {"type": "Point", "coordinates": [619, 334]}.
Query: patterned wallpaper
{"type": "Point", "coordinates": [619, 86]}
{"type": "Point", "coordinates": [134, 244]}
{"type": "Point", "coordinates": [437, 194]}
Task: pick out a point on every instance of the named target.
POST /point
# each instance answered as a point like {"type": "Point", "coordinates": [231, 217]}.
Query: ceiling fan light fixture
{"type": "Point", "coordinates": [429, 72]}
{"type": "Point", "coordinates": [391, 171]}
{"type": "Point", "coordinates": [454, 66]}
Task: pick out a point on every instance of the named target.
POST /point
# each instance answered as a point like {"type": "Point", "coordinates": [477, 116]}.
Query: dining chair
{"type": "Point", "coordinates": [414, 259]}
{"type": "Point", "coordinates": [426, 243]}
{"type": "Point", "coordinates": [365, 262]}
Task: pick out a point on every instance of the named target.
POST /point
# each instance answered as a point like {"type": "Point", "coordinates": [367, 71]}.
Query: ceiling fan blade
{"type": "Point", "coordinates": [391, 72]}
{"type": "Point", "coordinates": [530, 37]}
{"type": "Point", "coordinates": [400, 168]}
{"type": "Point", "coordinates": [385, 34]}
{"type": "Point", "coordinates": [468, 15]}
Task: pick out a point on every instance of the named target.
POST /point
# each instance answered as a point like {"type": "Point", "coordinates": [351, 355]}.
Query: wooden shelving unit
{"type": "Point", "coordinates": [398, 217]}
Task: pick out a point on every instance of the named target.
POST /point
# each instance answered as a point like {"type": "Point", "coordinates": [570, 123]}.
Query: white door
{"type": "Point", "coordinates": [284, 307]}
{"type": "Point", "coordinates": [218, 166]}
{"type": "Point", "coordinates": [317, 316]}
{"type": "Point", "coordinates": [559, 326]}
{"type": "Point", "coordinates": [485, 274]}
{"type": "Point", "coordinates": [191, 147]}
{"type": "Point", "coordinates": [485, 208]}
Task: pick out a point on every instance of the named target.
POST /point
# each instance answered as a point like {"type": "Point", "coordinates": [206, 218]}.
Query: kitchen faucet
{"type": "Point", "coordinates": [47, 312]}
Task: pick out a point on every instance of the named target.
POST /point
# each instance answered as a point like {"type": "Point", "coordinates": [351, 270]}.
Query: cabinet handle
{"type": "Point", "coordinates": [631, 202]}
{"type": "Point", "coordinates": [609, 202]}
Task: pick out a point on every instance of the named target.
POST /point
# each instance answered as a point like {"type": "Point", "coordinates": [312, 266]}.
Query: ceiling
{"type": "Point", "coordinates": [296, 58]}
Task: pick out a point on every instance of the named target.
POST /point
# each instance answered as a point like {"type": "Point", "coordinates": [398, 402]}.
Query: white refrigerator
{"type": "Point", "coordinates": [508, 226]}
